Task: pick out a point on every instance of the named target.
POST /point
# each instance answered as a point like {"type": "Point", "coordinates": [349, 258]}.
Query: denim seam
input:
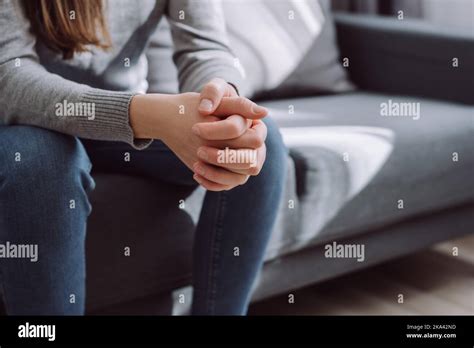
{"type": "Point", "coordinates": [215, 251]}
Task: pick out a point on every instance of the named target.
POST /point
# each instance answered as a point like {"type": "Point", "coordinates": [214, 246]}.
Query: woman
{"type": "Point", "coordinates": [72, 93]}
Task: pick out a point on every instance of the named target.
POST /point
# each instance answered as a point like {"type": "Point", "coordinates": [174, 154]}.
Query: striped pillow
{"type": "Point", "coordinates": [271, 37]}
{"type": "Point", "coordinates": [285, 47]}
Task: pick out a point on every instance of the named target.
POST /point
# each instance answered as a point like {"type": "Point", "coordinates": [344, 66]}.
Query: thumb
{"type": "Point", "coordinates": [211, 95]}
{"type": "Point", "coordinates": [240, 106]}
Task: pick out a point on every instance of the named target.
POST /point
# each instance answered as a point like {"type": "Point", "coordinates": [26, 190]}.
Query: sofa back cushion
{"type": "Point", "coordinates": [282, 46]}
{"type": "Point", "coordinates": [321, 70]}
{"type": "Point", "coordinates": [271, 37]}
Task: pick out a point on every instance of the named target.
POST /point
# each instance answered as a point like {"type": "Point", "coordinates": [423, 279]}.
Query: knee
{"type": "Point", "coordinates": [277, 152]}
{"type": "Point", "coordinates": [35, 159]}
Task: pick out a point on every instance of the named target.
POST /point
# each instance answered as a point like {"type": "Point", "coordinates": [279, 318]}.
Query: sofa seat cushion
{"type": "Point", "coordinates": [357, 170]}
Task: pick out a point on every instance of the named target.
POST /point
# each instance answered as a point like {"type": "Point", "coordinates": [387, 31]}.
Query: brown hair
{"type": "Point", "coordinates": [68, 26]}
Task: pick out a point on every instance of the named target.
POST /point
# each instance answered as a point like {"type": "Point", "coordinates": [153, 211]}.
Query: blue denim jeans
{"type": "Point", "coordinates": [45, 178]}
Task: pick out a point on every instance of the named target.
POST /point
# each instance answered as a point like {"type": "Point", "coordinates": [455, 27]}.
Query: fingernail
{"type": "Point", "coordinates": [206, 105]}
{"type": "Point", "coordinates": [195, 130]}
{"type": "Point", "coordinates": [198, 168]}
{"type": "Point", "coordinates": [202, 154]}
{"type": "Point", "coordinates": [195, 177]}
{"type": "Point", "coordinates": [257, 109]}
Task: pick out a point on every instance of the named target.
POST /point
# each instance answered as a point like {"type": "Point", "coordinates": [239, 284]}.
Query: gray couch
{"type": "Point", "coordinates": [354, 177]}
{"type": "Point", "coordinates": [350, 172]}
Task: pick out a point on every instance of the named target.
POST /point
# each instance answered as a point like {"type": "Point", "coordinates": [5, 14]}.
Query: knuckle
{"type": "Point", "coordinates": [202, 130]}
{"type": "Point", "coordinates": [254, 170]}
{"type": "Point", "coordinates": [264, 131]}
{"type": "Point", "coordinates": [234, 129]}
{"type": "Point", "coordinates": [256, 141]}
{"type": "Point", "coordinates": [242, 103]}
{"type": "Point", "coordinates": [212, 89]}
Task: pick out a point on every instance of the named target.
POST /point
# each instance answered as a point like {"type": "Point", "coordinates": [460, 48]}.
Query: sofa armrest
{"type": "Point", "coordinates": [407, 57]}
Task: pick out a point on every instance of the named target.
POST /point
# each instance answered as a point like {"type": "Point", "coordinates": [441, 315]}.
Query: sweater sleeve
{"type": "Point", "coordinates": [201, 47]}
{"type": "Point", "coordinates": [30, 95]}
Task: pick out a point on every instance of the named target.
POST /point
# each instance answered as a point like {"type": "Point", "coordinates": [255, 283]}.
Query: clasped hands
{"type": "Point", "coordinates": [217, 134]}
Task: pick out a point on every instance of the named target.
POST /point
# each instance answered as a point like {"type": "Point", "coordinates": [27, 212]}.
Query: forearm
{"type": "Point", "coordinates": [201, 47]}
{"type": "Point", "coordinates": [31, 95]}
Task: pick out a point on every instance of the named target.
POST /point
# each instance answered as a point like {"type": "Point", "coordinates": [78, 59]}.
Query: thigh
{"type": "Point", "coordinates": [156, 162]}
{"type": "Point", "coordinates": [29, 154]}
{"type": "Point", "coordinates": [41, 173]}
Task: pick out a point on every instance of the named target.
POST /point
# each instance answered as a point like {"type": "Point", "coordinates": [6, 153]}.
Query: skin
{"type": "Point", "coordinates": [195, 126]}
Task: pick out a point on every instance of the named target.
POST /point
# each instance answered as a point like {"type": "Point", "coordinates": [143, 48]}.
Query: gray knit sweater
{"type": "Point", "coordinates": [38, 87]}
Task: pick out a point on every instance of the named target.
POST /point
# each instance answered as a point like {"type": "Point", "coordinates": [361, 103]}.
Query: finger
{"type": "Point", "coordinates": [229, 128]}
{"type": "Point", "coordinates": [209, 185]}
{"type": "Point", "coordinates": [253, 138]}
{"type": "Point", "coordinates": [240, 106]}
{"type": "Point", "coordinates": [229, 158]}
{"type": "Point", "coordinates": [211, 95]}
{"type": "Point", "coordinates": [206, 119]}
{"type": "Point", "coordinates": [219, 175]}
{"type": "Point", "coordinates": [210, 118]}
{"type": "Point", "coordinates": [261, 156]}
{"type": "Point", "coordinates": [232, 90]}
{"type": "Point", "coordinates": [255, 170]}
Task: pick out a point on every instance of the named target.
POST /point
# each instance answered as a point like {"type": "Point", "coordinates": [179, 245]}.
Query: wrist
{"type": "Point", "coordinates": [137, 116]}
{"type": "Point", "coordinates": [148, 115]}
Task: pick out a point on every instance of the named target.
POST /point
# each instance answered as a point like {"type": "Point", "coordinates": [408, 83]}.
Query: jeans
{"type": "Point", "coordinates": [45, 178]}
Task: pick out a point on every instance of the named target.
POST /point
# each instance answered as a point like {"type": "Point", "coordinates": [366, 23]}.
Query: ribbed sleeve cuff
{"type": "Point", "coordinates": [111, 117]}
{"type": "Point", "coordinates": [233, 76]}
